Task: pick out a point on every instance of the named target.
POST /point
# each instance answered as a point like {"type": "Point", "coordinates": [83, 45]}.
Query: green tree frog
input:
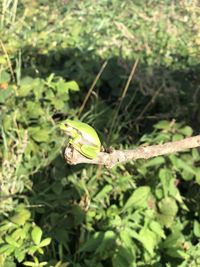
{"type": "Point", "coordinates": [83, 137]}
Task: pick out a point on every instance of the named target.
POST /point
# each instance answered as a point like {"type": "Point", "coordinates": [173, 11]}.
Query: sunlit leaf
{"type": "Point", "coordinates": [45, 242]}
{"type": "Point", "coordinates": [138, 199]}
{"type": "Point", "coordinates": [36, 235]}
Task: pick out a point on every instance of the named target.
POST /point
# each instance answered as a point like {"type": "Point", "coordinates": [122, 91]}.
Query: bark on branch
{"type": "Point", "coordinates": [109, 160]}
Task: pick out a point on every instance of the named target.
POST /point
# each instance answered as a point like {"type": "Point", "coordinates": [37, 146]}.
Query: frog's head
{"type": "Point", "coordinates": [68, 127]}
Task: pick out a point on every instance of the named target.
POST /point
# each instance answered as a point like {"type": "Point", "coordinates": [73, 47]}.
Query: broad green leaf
{"type": "Point", "coordinates": [4, 77]}
{"type": "Point", "coordinates": [174, 240]}
{"type": "Point", "coordinates": [26, 86]}
{"type": "Point", "coordinates": [18, 234]}
{"type": "Point", "coordinates": [163, 125]}
{"type": "Point", "coordinates": [177, 253]}
{"type": "Point", "coordinates": [34, 110]}
{"type": "Point", "coordinates": [157, 228]}
{"type": "Point", "coordinates": [21, 217]}
{"type": "Point", "coordinates": [139, 198]}
{"type": "Point", "coordinates": [19, 255]}
{"type": "Point", "coordinates": [72, 85]}
{"type": "Point", "coordinates": [8, 249]}
{"type": "Point", "coordinates": [58, 103]}
{"type": "Point", "coordinates": [5, 94]}
{"type": "Point", "coordinates": [30, 263]}
{"type": "Point", "coordinates": [126, 238]}
{"type": "Point", "coordinates": [36, 235]}
{"type": "Point", "coordinates": [155, 162]}
{"type": "Point", "coordinates": [167, 211]}
{"type": "Point", "coordinates": [40, 250]}
{"type": "Point", "coordinates": [187, 131]}
{"type": "Point", "coordinates": [12, 241]}
{"type": "Point", "coordinates": [92, 243]}
{"type": "Point", "coordinates": [63, 87]}
{"type": "Point", "coordinates": [148, 239]}
{"type": "Point", "coordinates": [185, 166]}
{"type": "Point", "coordinates": [180, 164]}
{"type": "Point", "coordinates": [45, 242]}
{"type": "Point", "coordinates": [39, 134]}
{"type": "Point", "coordinates": [177, 137]}
{"type": "Point", "coordinates": [34, 264]}
{"type": "Point", "coordinates": [104, 192]}
{"type": "Point", "coordinates": [31, 250]}
{"type": "Point", "coordinates": [197, 175]}
{"type": "Point", "coordinates": [123, 257]}
{"type": "Point", "coordinates": [195, 154]}
{"type": "Point", "coordinates": [107, 243]}
{"type": "Point", "coordinates": [165, 176]}
{"type": "Point", "coordinates": [119, 261]}
{"type": "Point", "coordinates": [196, 228]}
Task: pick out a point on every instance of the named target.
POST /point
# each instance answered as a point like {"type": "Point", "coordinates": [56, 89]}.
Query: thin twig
{"type": "Point", "coordinates": [122, 97]}
{"type": "Point", "coordinates": [152, 100]}
{"type": "Point", "coordinates": [8, 60]}
{"type": "Point", "coordinates": [92, 87]}
{"type": "Point", "coordinates": [121, 156]}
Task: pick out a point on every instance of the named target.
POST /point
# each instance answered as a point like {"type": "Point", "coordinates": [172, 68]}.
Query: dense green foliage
{"type": "Point", "coordinates": [143, 213]}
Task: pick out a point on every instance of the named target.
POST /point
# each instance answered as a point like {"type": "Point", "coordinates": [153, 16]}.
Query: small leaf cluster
{"type": "Point", "coordinates": [19, 237]}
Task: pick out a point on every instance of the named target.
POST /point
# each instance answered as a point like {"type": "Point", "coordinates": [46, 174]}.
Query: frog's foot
{"type": "Point", "coordinates": [89, 152]}
{"type": "Point", "coordinates": [109, 150]}
{"type": "Point", "coordinates": [102, 149]}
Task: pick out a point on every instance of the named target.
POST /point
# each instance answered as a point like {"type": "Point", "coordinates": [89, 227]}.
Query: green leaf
{"type": "Point", "coordinates": [11, 241]}
{"type": "Point", "coordinates": [25, 86]}
{"type": "Point", "coordinates": [126, 238]}
{"type": "Point", "coordinates": [167, 211]}
{"type": "Point", "coordinates": [72, 85]}
{"type": "Point", "coordinates": [4, 77]}
{"type": "Point", "coordinates": [21, 217]}
{"type": "Point", "coordinates": [165, 176]}
{"type": "Point", "coordinates": [92, 243]}
{"type": "Point", "coordinates": [197, 175]}
{"type": "Point", "coordinates": [195, 154]}
{"type": "Point", "coordinates": [19, 255]}
{"type": "Point", "coordinates": [187, 131]}
{"type": "Point", "coordinates": [39, 134]}
{"type": "Point", "coordinates": [177, 137]}
{"type": "Point", "coordinates": [7, 249]}
{"type": "Point", "coordinates": [35, 264]}
{"type": "Point", "coordinates": [174, 240]}
{"type": "Point", "coordinates": [139, 198]}
{"type": "Point", "coordinates": [45, 242]}
{"type": "Point", "coordinates": [155, 162]}
{"type": "Point", "coordinates": [34, 110]}
{"type": "Point", "coordinates": [148, 239]}
{"type": "Point", "coordinates": [36, 235]}
{"type": "Point", "coordinates": [196, 228]}
{"type": "Point", "coordinates": [119, 261]}
{"type": "Point", "coordinates": [30, 263]}
{"type": "Point", "coordinates": [104, 192]}
{"type": "Point", "coordinates": [180, 164]}
{"type": "Point", "coordinates": [5, 94]}
{"type": "Point", "coordinates": [107, 243]}
{"type": "Point", "coordinates": [163, 125]}
{"type": "Point", "coordinates": [157, 228]}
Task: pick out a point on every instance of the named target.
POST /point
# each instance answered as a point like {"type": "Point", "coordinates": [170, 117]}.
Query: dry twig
{"type": "Point", "coordinates": [120, 156]}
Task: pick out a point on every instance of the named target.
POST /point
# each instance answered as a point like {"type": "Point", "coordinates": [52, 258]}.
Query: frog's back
{"type": "Point", "coordinates": [84, 127]}
{"type": "Point", "coordinates": [86, 130]}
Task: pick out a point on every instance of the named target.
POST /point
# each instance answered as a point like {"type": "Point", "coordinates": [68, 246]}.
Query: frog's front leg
{"type": "Point", "coordinates": [75, 142]}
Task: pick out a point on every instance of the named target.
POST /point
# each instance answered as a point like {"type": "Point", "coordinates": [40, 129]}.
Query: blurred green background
{"type": "Point", "coordinates": [143, 213]}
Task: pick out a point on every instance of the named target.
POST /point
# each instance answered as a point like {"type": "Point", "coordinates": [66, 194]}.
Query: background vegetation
{"type": "Point", "coordinates": [144, 213]}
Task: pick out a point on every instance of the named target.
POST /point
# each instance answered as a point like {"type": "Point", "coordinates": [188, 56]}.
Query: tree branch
{"type": "Point", "coordinates": [109, 160]}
